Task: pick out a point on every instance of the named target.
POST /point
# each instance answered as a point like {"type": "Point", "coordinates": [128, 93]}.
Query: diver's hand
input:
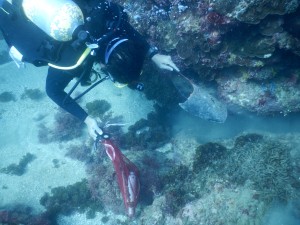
{"type": "Point", "coordinates": [92, 127]}
{"type": "Point", "coordinates": [164, 62]}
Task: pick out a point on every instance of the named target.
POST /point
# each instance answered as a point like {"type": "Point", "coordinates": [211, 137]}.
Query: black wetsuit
{"type": "Point", "coordinates": [105, 18]}
{"type": "Point", "coordinates": [57, 80]}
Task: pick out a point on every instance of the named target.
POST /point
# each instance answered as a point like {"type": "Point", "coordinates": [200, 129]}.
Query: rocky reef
{"type": "Point", "coordinates": [232, 181]}
{"type": "Point", "coordinates": [258, 38]}
{"type": "Point", "coordinates": [206, 36]}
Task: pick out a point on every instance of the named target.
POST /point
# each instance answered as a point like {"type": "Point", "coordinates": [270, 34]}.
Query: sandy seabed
{"type": "Point", "coordinates": [19, 123]}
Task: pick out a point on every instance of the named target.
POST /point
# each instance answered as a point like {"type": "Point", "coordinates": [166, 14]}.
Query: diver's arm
{"type": "Point", "coordinates": [92, 126]}
{"type": "Point", "coordinates": [56, 82]}
{"type": "Point", "coordinates": [164, 62]}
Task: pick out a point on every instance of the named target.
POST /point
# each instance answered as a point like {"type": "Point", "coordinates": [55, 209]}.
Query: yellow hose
{"type": "Point", "coordinates": [78, 63]}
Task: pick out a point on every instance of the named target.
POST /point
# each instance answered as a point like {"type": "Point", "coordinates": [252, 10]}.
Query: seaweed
{"type": "Point", "coordinates": [23, 214]}
{"type": "Point", "coordinates": [79, 152]}
{"type": "Point", "coordinates": [207, 155]}
{"type": "Point", "coordinates": [175, 200]}
{"type": "Point", "coordinates": [71, 198]}
{"type": "Point", "coordinates": [7, 97]}
{"type": "Point", "coordinates": [264, 162]}
{"type": "Point", "coordinates": [97, 108]}
{"type": "Point", "coordinates": [149, 133]}
{"type": "Point", "coordinates": [242, 140]}
{"type": "Point", "coordinates": [178, 189]}
{"type": "Point", "coordinates": [66, 128]}
{"type": "Point", "coordinates": [20, 168]}
{"type": "Point", "coordinates": [105, 219]}
{"type": "Point", "coordinates": [33, 94]}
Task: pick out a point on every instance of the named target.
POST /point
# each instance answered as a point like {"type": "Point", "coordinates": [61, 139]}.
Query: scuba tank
{"type": "Point", "coordinates": [57, 18]}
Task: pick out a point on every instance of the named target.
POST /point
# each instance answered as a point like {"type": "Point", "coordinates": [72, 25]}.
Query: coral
{"type": "Point", "coordinates": [260, 73]}
{"type": "Point", "coordinates": [33, 94]}
{"type": "Point", "coordinates": [253, 11]}
{"type": "Point", "coordinates": [65, 200]}
{"type": "Point", "coordinates": [20, 168]}
{"type": "Point", "coordinates": [97, 108]}
{"type": "Point", "coordinates": [277, 96]}
{"type": "Point", "coordinates": [271, 26]}
{"type": "Point", "coordinates": [7, 97]}
{"type": "Point", "coordinates": [260, 47]}
{"type": "Point", "coordinates": [287, 42]}
{"type": "Point", "coordinates": [205, 36]}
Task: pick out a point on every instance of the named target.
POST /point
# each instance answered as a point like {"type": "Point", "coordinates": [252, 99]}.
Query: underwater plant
{"type": "Point", "coordinates": [97, 108]}
{"type": "Point", "coordinates": [103, 186]}
{"type": "Point", "coordinates": [79, 152]}
{"type": "Point", "coordinates": [20, 168]}
{"type": "Point", "coordinates": [207, 154]}
{"type": "Point", "coordinates": [243, 140]}
{"type": "Point", "coordinates": [21, 214]}
{"type": "Point", "coordinates": [65, 200]}
{"type": "Point", "coordinates": [7, 97]}
{"type": "Point", "coordinates": [264, 162]}
{"type": "Point", "coordinates": [33, 94]}
{"type": "Point", "coordinates": [176, 189]}
{"type": "Point", "coordinates": [66, 127]}
{"type": "Point", "coordinates": [149, 133]}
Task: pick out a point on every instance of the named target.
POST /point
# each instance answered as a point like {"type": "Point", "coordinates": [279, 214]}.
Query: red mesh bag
{"type": "Point", "coordinates": [127, 176]}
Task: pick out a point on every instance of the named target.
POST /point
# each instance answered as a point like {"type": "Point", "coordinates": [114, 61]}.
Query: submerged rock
{"type": "Point", "coordinates": [280, 95]}
{"type": "Point", "coordinates": [253, 11]}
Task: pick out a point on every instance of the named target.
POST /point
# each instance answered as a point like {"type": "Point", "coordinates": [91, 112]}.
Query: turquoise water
{"type": "Point", "coordinates": [245, 171]}
{"type": "Point", "coordinates": [167, 170]}
{"type": "Point", "coordinates": [205, 131]}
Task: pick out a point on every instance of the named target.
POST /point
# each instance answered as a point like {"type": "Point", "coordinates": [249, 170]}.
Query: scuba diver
{"type": "Point", "coordinates": [70, 37]}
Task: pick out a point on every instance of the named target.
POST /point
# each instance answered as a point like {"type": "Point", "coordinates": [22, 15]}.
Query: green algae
{"type": "Point", "coordinates": [20, 168]}
{"type": "Point", "coordinates": [7, 97]}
